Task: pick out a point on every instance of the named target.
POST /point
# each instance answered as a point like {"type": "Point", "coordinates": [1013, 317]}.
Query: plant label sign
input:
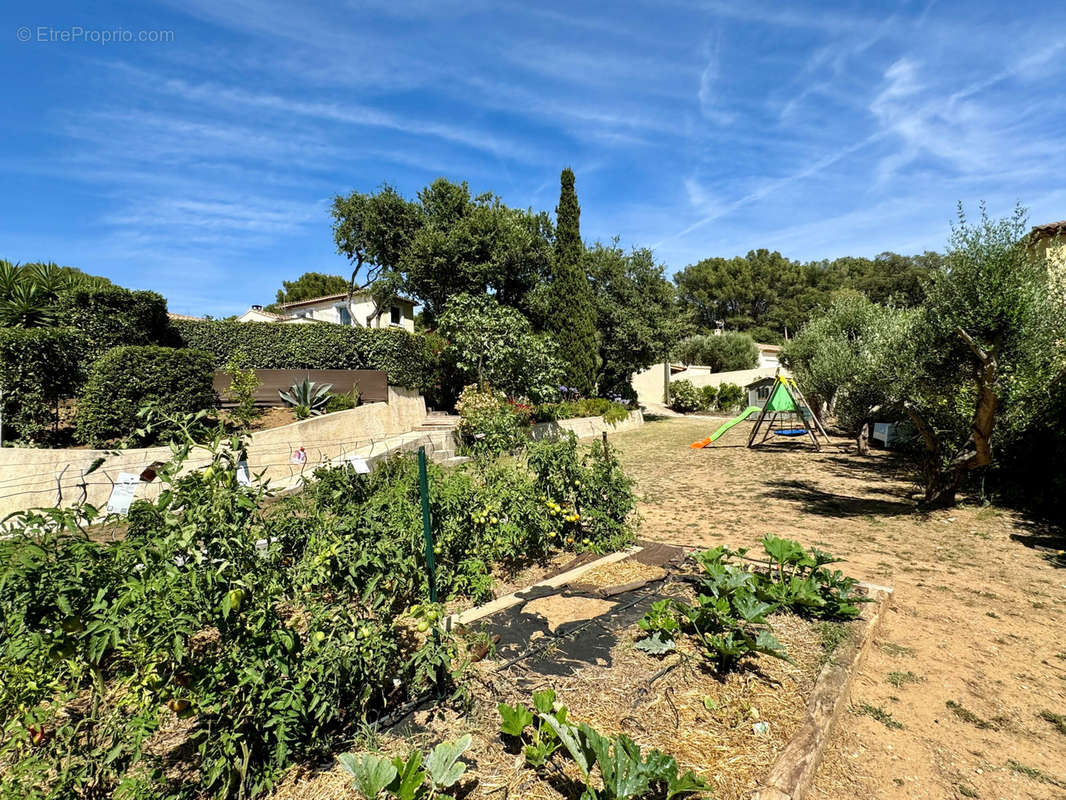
{"type": "Point", "coordinates": [244, 478]}
{"type": "Point", "coordinates": [299, 457]}
{"type": "Point", "coordinates": [123, 492]}
{"type": "Point", "coordinates": [359, 464]}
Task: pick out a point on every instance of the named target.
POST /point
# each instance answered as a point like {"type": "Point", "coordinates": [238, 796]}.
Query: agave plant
{"type": "Point", "coordinates": [307, 395]}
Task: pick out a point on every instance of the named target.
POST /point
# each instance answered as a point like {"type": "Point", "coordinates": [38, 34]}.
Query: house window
{"type": "Point", "coordinates": [343, 315]}
{"type": "Point", "coordinates": [764, 392]}
{"type": "Point", "coordinates": [395, 315]}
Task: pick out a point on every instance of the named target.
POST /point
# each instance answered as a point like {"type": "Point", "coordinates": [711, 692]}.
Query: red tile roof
{"type": "Point", "coordinates": [1048, 229]}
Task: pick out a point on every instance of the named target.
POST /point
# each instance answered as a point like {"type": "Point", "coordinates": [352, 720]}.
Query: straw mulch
{"type": "Point", "coordinates": [706, 721]}
{"type": "Point", "coordinates": [620, 573]}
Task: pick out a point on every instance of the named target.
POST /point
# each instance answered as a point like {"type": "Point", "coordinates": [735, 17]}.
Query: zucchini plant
{"type": "Point", "coordinates": [730, 615]}
{"type": "Point", "coordinates": [624, 772]}
{"type": "Point", "coordinates": [412, 778]}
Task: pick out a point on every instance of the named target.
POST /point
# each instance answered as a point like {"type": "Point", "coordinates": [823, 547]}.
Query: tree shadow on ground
{"type": "Point", "coordinates": [1048, 540]}
{"type": "Point", "coordinates": [829, 504]}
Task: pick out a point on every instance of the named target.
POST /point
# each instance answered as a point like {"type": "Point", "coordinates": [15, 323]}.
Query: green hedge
{"type": "Point", "coordinates": [114, 316]}
{"type": "Point", "coordinates": [38, 368]}
{"type": "Point", "coordinates": [124, 379]}
{"type": "Point", "coordinates": [406, 357]}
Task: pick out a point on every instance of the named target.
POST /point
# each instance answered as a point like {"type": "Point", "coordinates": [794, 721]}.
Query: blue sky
{"type": "Point", "coordinates": [203, 167]}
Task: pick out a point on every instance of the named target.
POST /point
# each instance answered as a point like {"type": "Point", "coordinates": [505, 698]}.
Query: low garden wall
{"type": "Point", "coordinates": [584, 427]}
{"type": "Point", "coordinates": [37, 477]}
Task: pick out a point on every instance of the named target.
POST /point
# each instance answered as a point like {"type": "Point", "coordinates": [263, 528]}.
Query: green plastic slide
{"type": "Point", "coordinates": [747, 412]}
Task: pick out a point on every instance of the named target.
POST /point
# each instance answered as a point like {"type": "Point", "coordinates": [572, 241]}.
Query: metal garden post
{"type": "Point", "coordinates": [427, 525]}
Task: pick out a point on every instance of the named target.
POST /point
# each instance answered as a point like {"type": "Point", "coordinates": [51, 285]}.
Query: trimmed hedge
{"type": "Point", "coordinates": [38, 368]}
{"type": "Point", "coordinates": [405, 357]}
{"type": "Point", "coordinates": [114, 316]}
{"type": "Point", "coordinates": [124, 379]}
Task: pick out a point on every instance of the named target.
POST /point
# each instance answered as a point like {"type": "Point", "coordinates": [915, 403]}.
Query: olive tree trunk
{"type": "Point", "coordinates": [943, 479]}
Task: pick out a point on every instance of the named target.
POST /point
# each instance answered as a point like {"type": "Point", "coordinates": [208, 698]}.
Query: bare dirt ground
{"type": "Point", "coordinates": [959, 696]}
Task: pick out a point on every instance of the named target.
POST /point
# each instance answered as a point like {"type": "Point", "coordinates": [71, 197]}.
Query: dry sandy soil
{"type": "Point", "coordinates": [972, 652]}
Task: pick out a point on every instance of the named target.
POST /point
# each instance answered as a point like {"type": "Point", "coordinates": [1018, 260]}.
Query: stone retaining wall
{"type": "Point", "coordinates": [585, 427]}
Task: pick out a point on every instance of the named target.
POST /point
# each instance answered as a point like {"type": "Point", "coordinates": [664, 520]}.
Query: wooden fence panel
{"type": "Point", "coordinates": [373, 384]}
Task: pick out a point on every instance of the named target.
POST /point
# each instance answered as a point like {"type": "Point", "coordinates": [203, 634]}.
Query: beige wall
{"type": "Point", "coordinates": [649, 383]}
{"type": "Point", "coordinates": [32, 477]}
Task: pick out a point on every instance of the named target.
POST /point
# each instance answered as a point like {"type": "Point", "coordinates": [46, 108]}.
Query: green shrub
{"type": "Point", "coordinates": [407, 358]}
{"type": "Point", "coordinates": [242, 387]}
{"type": "Point", "coordinates": [708, 398]}
{"type": "Point", "coordinates": [729, 396]}
{"type": "Point", "coordinates": [722, 353]}
{"type": "Point", "coordinates": [684, 396]}
{"type": "Point", "coordinates": [125, 379]}
{"type": "Point", "coordinates": [488, 423]}
{"type": "Point", "coordinates": [342, 402]}
{"type": "Point", "coordinates": [38, 368]}
{"type": "Point", "coordinates": [611, 411]}
{"type": "Point", "coordinates": [113, 316]}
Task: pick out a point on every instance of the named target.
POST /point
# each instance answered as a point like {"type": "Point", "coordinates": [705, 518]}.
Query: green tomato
{"type": "Point", "coordinates": [423, 626]}
{"type": "Point", "coordinates": [236, 598]}
{"type": "Point", "coordinates": [437, 550]}
{"type": "Point", "coordinates": [319, 637]}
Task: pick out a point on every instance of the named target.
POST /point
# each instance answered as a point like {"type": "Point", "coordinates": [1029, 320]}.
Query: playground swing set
{"type": "Point", "coordinates": [786, 406]}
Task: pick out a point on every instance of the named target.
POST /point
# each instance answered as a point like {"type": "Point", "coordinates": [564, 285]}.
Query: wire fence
{"type": "Point", "coordinates": [282, 464]}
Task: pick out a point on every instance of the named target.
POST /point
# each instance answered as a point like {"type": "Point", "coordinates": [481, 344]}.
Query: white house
{"type": "Point", "coordinates": [340, 310]}
{"type": "Point", "coordinates": [769, 355]}
{"type": "Point", "coordinates": [257, 314]}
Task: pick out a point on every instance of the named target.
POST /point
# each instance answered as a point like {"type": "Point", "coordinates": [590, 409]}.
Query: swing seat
{"type": "Point", "coordinates": [791, 432]}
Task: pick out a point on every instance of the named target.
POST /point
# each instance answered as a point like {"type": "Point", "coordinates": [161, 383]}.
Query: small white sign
{"type": "Point", "coordinates": [244, 478]}
{"type": "Point", "coordinates": [123, 492]}
{"type": "Point", "coordinates": [299, 457]}
{"type": "Point", "coordinates": [359, 464]}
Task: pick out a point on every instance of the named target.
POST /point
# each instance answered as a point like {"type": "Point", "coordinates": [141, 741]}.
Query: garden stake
{"type": "Point", "coordinates": [431, 562]}
{"type": "Point", "coordinates": [427, 526]}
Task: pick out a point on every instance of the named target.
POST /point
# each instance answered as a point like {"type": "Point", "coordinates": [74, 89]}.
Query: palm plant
{"type": "Point", "coordinates": [307, 397]}
{"type": "Point", "coordinates": [27, 293]}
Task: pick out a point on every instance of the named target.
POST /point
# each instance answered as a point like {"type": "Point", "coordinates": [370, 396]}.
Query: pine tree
{"type": "Point", "coordinates": [573, 319]}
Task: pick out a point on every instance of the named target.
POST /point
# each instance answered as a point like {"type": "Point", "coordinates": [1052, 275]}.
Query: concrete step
{"type": "Point", "coordinates": [442, 455]}
{"type": "Point", "coordinates": [438, 424]}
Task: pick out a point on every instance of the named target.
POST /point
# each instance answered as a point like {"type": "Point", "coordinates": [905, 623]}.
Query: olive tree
{"type": "Point", "coordinates": [725, 352]}
{"type": "Point", "coordinates": [971, 368]}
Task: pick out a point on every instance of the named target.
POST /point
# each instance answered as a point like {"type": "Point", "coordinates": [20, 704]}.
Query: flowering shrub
{"type": "Point", "coordinates": [684, 396]}
{"type": "Point", "coordinates": [489, 423]}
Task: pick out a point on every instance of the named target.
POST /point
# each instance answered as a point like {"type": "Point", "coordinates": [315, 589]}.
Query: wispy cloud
{"type": "Point", "coordinates": [708, 94]}
{"type": "Point", "coordinates": [205, 169]}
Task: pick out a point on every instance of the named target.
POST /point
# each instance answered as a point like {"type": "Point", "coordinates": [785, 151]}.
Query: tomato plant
{"type": "Point", "coordinates": [261, 627]}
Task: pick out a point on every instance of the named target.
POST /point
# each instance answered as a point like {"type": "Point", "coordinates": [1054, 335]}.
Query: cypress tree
{"type": "Point", "coordinates": [573, 319]}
